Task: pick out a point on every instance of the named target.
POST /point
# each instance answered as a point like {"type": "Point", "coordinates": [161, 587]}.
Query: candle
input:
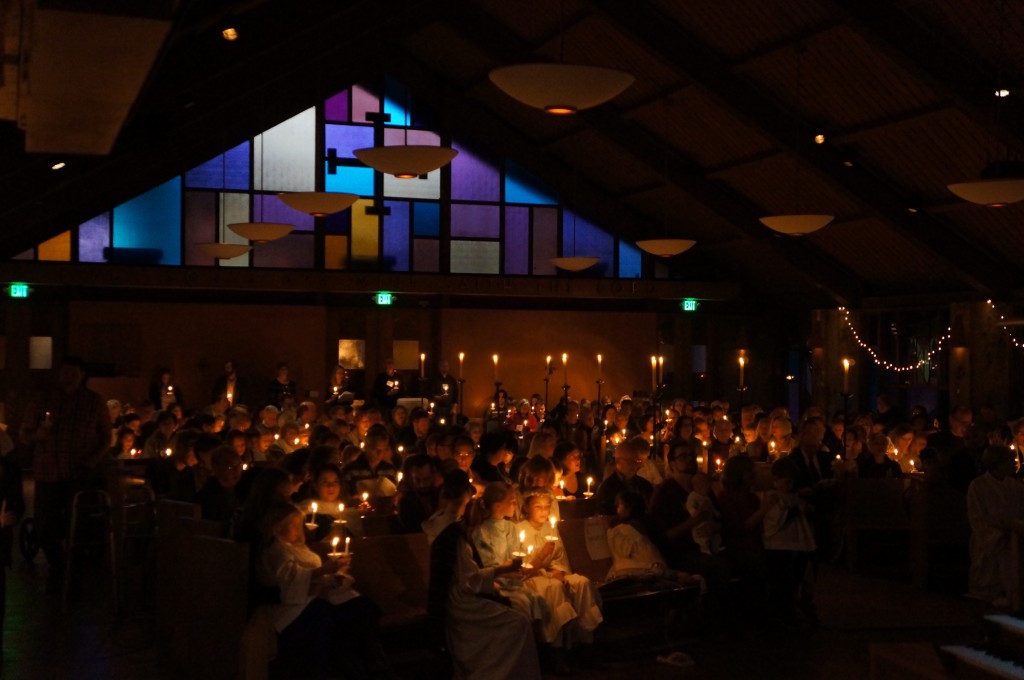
{"type": "Point", "coordinates": [553, 522]}
{"type": "Point", "coordinates": [276, 437]}
{"type": "Point", "coordinates": [423, 358]}
{"type": "Point", "coordinates": [312, 519]}
{"type": "Point", "coordinates": [495, 357]}
{"type": "Point", "coordinates": [599, 374]}
{"type": "Point", "coordinates": [366, 496]}
{"type": "Point", "coordinates": [133, 452]}
{"type": "Point", "coordinates": [462, 358]}
{"type": "Point", "coordinates": [661, 370]}
{"type": "Point", "coordinates": [771, 445]}
{"type": "Point", "coordinates": [334, 547]}
{"type": "Point", "coordinates": [296, 441]}
{"type": "Point", "coordinates": [700, 461]}
{"type": "Point", "coordinates": [168, 452]}
{"type": "Point", "coordinates": [846, 376]}
{"type": "Point", "coordinates": [742, 364]}
{"type": "Point", "coordinates": [400, 476]}
{"type": "Point", "coordinates": [341, 507]}
{"type": "Point", "coordinates": [547, 365]}
{"type": "Point", "coordinates": [737, 440]}
{"type": "Point", "coordinates": [912, 466]}
{"type": "Point", "coordinates": [654, 373]}
{"type": "Point", "coordinates": [401, 448]}
{"type": "Point", "coordinates": [522, 538]}
{"type": "Point", "coordinates": [561, 486]}
{"type": "Point", "coordinates": [444, 388]}
{"type": "Point", "coordinates": [245, 466]}
{"type": "Point", "coordinates": [590, 480]}
{"type": "Point", "coordinates": [565, 368]}
{"type": "Point", "coordinates": [348, 539]}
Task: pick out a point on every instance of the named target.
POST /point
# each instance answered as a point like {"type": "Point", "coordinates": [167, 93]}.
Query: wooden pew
{"type": "Point", "coordinates": [172, 577]}
{"type": "Point", "coordinates": [873, 506]}
{"type": "Point", "coordinates": [393, 572]}
{"type": "Point", "coordinates": [216, 605]}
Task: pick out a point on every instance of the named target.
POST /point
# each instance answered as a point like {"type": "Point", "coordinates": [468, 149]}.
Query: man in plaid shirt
{"type": "Point", "coordinates": [70, 428]}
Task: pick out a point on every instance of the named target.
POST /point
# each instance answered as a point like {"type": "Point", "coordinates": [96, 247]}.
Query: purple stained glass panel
{"type": "Point", "coordinates": [473, 178]}
{"type": "Point", "coordinates": [93, 237]}
{"type": "Point", "coordinates": [396, 236]}
{"type": "Point", "coordinates": [426, 255]}
{"type": "Point", "coordinates": [272, 209]}
{"type": "Point", "coordinates": [517, 240]}
{"type": "Point", "coordinates": [545, 240]}
{"type": "Point", "coordinates": [344, 138]}
{"type": "Point", "coordinates": [336, 107]}
{"type": "Point", "coordinates": [294, 251]}
{"type": "Point", "coordinates": [363, 102]}
{"type": "Point", "coordinates": [398, 136]}
{"type": "Point", "coordinates": [475, 221]}
{"type": "Point", "coordinates": [200, 225]}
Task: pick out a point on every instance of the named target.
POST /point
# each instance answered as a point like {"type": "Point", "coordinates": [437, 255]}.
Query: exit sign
{"type": "Point", "coordinates": [18, 290]}
{"type": "Point", "coordinates": [690, 305]}
{"type": "Point", "coordinates": [384, 298]}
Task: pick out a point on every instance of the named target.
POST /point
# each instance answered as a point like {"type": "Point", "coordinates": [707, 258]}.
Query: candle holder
{"type": "Point", "coordinates": [742, 389]}
{"type": "Point", "coordinates": [462, 394]}
{"type": "Point", "coordinates": [565, 394]}
{"type": "Point", "coordinates": [847, 396]}
{"type": "Point", "coordinates": [546, 381]}
{"type": "Point", "coordinates": [599, 381]}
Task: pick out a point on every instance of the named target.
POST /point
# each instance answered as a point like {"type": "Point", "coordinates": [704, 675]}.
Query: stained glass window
{"type": "Point", "coordinates": [152, 220]}
{"type": "Point", "coordinates": [396, 236]}
{"type": "Point", "coordinates": [475, 257]}
{"type": "Point", "coordinates": [93, 237]}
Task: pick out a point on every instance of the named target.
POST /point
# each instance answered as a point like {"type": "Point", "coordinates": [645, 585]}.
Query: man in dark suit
{"type": "Point", "coordinates": [232, 386]}
{"type": "Point", "coordinates": [815, 464]}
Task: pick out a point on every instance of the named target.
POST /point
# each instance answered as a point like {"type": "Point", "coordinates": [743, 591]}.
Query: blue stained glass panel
{"type": "Point", "coordinates": [344, 138]}
{"type": "Point", "coordinates": [396, 97]}
{"type": "Point", "coordinates": [396, 236]}
{"type": "Point", "coordinates": [522, 187]}
{"type": "Point", "coordinates": [426, 219]}
{"type": "Point", "coordinates": [339, 224]}
{"type": "Point", "coordinates": [349, 180]}
{"type": "Point", "coordinates": [230, 168]}
{"type": "Point", "coordinates": [272, 209]}
{"type": "Point", "coordinates": [589, 239]}
{"type": "Point", "coordinates": [152, 220]}
{"type": "Point", "coordinates": [93, 237]}
{"type": "Point", "coordinates": [629, 261]}
{"type": "Point", "coordinates": [475, 221]}
{"type": "Point", "coordinates": [473, 178]}
{"type": "Point", "coordinates": [517, 240]}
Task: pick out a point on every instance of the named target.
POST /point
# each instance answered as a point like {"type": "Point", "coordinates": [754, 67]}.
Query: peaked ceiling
{"type": "Point", "coordinates": [711, 136]}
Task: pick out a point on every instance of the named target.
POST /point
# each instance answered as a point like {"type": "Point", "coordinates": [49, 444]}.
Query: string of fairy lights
{"type": "Point", "coordinates": [888, 365]}
{"type": "Point", "coordinates": [1016, 343]}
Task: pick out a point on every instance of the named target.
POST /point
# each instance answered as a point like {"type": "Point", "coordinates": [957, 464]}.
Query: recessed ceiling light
{"type": "Point", "coordinates": [912, 210]}
{"type": "Point", "coordinates": [230, 33]}
{"type": "Point", "coordinates": [58, 166]}
{"type": "Point", "coordinates": [848, 164]}
{"type": "Point", "coordinates": [819, 139]}
{"type": "Point", "coordinates": [1002, 92]}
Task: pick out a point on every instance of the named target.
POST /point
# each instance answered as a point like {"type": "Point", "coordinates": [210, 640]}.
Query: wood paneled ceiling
{"type": "Point", "coordinates": [710, 137]}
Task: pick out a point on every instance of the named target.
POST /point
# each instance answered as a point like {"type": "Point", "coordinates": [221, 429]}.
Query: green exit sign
{"type": "Point", "coordinates": [690, 305]}
{"type": "Point", "coordinates": [18, 290]}
{"type": "Point", "coordinates": [384, 298]}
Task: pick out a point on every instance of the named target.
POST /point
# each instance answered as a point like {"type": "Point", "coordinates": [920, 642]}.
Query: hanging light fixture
{"type": "Point", "coordinates": [665, 247]}
{"type": "Point", "coordinates": [317, 203]}
{"type": "Point", "coordinates": [223, 251]}
{"type": "Point", "coordinates": [406, 161]}
{"type": "Point", "coordinates": [797, 224]}
{"type": "Point", "coordinates": [560, 88]}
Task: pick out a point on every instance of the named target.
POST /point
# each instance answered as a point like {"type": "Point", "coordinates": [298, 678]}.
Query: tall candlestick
{"type": "Point", "coordinates": [547, 365]}
{"type": "Point", "coordinates": [654, 374]}
{"type": "Point", "coordinates": [846, 376]}
{"type": "Point", "coordinates": [565, 368]}
{"type": "Point", "coordinates": [462, 358]}
{"type": "Point", "coordinates": [743, 363]}
{"type": "Point", "coordinates": [661, 370]}
{"type": "Point", "coordinates": [348, 539]}
{"type": "Point", "coordinates": [423, 359]}
{"type": "Point", "coordinates": [495, 357]}
{"type": "Point", "coordinates": [599, 374]}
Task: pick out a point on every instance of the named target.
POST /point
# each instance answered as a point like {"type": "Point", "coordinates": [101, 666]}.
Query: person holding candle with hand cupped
{"type": "Point", "coordinates": [318, 608]}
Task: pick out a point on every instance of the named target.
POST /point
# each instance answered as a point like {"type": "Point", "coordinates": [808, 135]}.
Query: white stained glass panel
{"type": "Point", "coordinates": [284, 157]}
{"type": "Point", "coordinates": [40, 352]}
{"type": "Point", "coordinates": [475, 257]}
{"type": "Point", "coordinates": [233, 208]}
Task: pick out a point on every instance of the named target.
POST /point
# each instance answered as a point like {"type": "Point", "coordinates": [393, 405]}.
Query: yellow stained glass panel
{"type": "Point", "coordinates": [336, 252]}
{"type": "Point", "coordinates": [365, 231]}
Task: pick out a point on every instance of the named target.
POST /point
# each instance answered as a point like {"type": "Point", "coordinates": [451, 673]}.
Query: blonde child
{"type": "Point", "coordinates": [318, 606]}
{"type": "Point", "coordinates": [551, 576]}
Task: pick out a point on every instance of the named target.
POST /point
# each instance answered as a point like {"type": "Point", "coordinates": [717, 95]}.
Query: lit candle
{"type": "Point", "coordinates": [133, 452]}
{"type": "Point", "coordinates": [444, 388]}
{"type": "Point", "coordinates": [547, 365]}
{"type": "Point", "coordinates": [771, 445]}
{"type": "Point", "coordinates": [276, 437]}
{"type": "Point", "coordinates": [312, 518]}
{"type": "Point", "coordinates": [743, 363]}
{"type": "Point", "coordinates": [462, 358]}
{"type": "Point", "coordinates": [366, 496]}
{"type": "Point", "coordinates": [441, 422]}
{"type": "Point", "coordinates": [401, 448]}
{"type": "Point", "coordinates": [423, 358]}
{"type": "Point", "coordinates": [296, 441]}
{"type": "Point", "coordinates": [718, 464]}
{"type": "Point", "coordinates": [495, 357]}
{"type": "Point", "coordinates": [565, 368]}
{"type": "Point", "coordinates": [737, 440]}
{"type": "Point", "coordinates": [341, 507]}
{"type": "Point", "coordinates": [522, 538]}
{"type": "Point", "coordinates": [561, 488]}
{"type": "Point", "coordinates": [553, 522]}
{"type": "Point", "coordinates": [661, 370]}
{"type": "Point", "coordinates": [348, 539]}
{"type": "Point", "coordinates": [912, 466]}
{"type": "Point", "coordinates": [400, 476]}
{"type": "Point", "coordinates": [168, 452]}
{"type": "Point", "coordinates": [654, 373]}
{"type": "Point", "coordinates": [700, 460]}
{"type": "Point", "coordinates": [590, 480]}
{"type": "Point", "coordinates": [846, 376]}
{"type": "Point", "coordinates": [599, 373]}
{"type": "Point", "coordinates": [245, 466]}
{"type": "Point", "coordinates": [334, 547]}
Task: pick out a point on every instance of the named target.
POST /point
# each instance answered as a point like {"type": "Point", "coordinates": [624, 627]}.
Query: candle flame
{"type": "Point", "coordinates": [341, 507]}
{"type": "Point", "coordinates": [462, 355]}
{"type": "Point", "coordinates": [553, 521]}
{"type": "Point", "coordinates": [846, 364]}
{"type": "Point", "coordinates": [366, 496]}
{"type": "Point", "coordinates": [598, 358]}
{"type": "Point", "coordinates": [400, 476]}
{"type": "Point", "coordinates": [334, 543]}
{"type": "Point", "coordinates": [529, 550]}
{"type": "Point", "coordinates": [565, 358]}
{"type": "Point", "coordinates": [168, 452]}
{"type": "Point", "coordinates": [495, 357]}
{"type": "Point", "coordinates": [313, 505]}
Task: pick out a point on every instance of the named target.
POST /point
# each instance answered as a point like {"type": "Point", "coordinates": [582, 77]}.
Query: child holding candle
{"type": "Point", "coordinates": [552, 576]}
{"type": "Point", "coordinates": [318, 607]}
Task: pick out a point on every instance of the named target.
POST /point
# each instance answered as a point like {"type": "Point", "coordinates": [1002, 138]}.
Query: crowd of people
{"type": "Point", "coordinates": [678, 482]}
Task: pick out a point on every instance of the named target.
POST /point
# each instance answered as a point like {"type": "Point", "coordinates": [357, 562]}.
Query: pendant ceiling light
{"type": "Point", "coordinates": [317, 203]}
{"type": "Point", "coordinates": [261, 232]}
{"type": "Point", "coordinates": [665, 247]}
{"type": "Point", "coordinates": [223, 251]}
{"type": "Point", "coordinates": [797, 224]}
{"type": "Point", "coordinates": [560, 88]}
{"type": "Point", "coordinates": [406, 161]}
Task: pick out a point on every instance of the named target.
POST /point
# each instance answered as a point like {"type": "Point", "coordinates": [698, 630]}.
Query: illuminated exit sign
{"type": "Point", "coordinates": [18, 290]}
{"type": "Point", "coordinates": [690, 305]}
{"type": "Point", "coordinates": [384, 298]}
